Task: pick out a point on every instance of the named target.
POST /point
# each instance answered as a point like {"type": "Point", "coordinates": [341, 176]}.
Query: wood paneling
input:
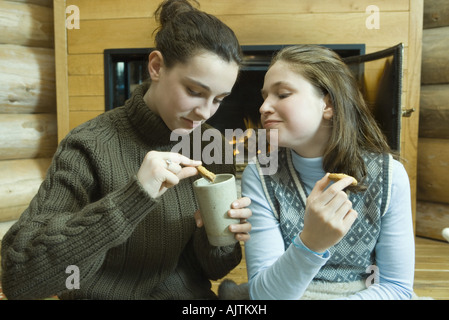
{"type": "Point", "coordinates": [87, 103]}
{"type": "Point", "coordinates": [82, 64]}
{"type": "Point", "coordinates": [96, 35]}
{"type": "Point", "coordinates": [86, 85]}
{"type": "Point", "coordinates": [79, 117]}
{"type": "Point", "coordinates": [119, 9]}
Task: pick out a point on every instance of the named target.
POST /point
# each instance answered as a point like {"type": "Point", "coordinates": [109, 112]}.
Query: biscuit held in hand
{"type": "Point", "coordinates": [339, 176]}
{"type": "Point", "coordinates": [206, 173]}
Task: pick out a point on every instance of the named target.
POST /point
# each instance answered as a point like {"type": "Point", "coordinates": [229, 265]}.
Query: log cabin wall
{"type": "Point", "coordinates": [433, 145]}
{"type": "Point", "coordinates": [28, 134]}
{"type": "Point", "coordinates": [106, 24]}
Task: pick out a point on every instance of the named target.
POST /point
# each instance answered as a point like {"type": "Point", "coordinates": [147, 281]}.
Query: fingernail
{"type": "Point", "coordinates": [235, 204]}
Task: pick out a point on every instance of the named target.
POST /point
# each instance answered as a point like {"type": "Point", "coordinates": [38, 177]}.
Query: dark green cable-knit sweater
{"type": "Point", "coordinates": [91, 212]}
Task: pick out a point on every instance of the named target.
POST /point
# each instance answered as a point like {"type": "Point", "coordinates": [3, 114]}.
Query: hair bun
{"type": "Point", "coordinates": [169, 9]}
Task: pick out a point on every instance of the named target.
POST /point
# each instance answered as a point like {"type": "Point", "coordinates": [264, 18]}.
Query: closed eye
{"type": "Point", "coordinates": [284, 95]}
{"type": "Point", "coordinates": [193, 92]}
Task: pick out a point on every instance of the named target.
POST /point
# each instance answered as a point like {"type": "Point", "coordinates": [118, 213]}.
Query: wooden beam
{"type": "Point", "coordinates": [435, 66]}
{"type": "Point", "coordinates": [433, 164]}
{"type": "Point", "coordinates": [434, 111]}
{"type": "Point", "coordinates": [432, 218]}
{"type": "Point", "coordinates": [410, 125]}
{"type": "Point", "coordinates": [26, 24]}
{"type": "Point", "coordinates": [27, 82]}
{"type": "Point", "coordinates": [24, 136]}
{"type": "Point", "coordinates": [62, 95]}
{"type": "Point", "coordinates": [19, 182]}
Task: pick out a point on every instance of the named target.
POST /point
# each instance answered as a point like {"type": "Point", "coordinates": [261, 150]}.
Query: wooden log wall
{"type": "Point", "coordinates": [433, 146]}
{"type": "Point", "coordinates": [28, 126]}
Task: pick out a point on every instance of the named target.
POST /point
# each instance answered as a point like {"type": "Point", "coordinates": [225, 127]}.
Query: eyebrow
{"type": "Point", "coordinates": [205, 87]}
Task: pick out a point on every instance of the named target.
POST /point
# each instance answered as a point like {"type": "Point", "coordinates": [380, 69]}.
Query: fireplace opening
{"type": "Point", "coordinates": [127, 68]}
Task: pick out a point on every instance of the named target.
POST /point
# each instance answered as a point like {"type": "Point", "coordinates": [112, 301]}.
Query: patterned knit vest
{"type": "Point", "coordinates": [355, 252]}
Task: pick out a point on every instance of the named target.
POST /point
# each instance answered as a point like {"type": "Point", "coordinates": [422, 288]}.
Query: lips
{"type": "Point", "coordinates": [191, 123]}
{"type": "Point", "coordinates": [270, 123]}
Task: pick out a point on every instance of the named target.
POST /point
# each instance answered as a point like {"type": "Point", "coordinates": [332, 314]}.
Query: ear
{"type": "Point", "coordinates": [328, 108]}
{"type": "Point", "coordinates": [155, 64]}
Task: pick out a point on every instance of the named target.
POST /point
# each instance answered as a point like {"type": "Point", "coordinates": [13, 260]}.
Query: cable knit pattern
{"type": "Point", "coordinates": [91, 212]}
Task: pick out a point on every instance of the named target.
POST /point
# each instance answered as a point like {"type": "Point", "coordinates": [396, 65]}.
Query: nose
{"type": "Point", "coordinates": [204, 111]}
{"type": "Point", "coordinates": [266, 107]}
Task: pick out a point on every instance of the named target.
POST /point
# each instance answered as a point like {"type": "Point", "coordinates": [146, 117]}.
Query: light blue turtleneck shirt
{"type": "Point", "coordinates": [276, 273]}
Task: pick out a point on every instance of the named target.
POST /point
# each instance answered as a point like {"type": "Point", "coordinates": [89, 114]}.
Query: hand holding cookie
{"type": "Point", "coordinates": [328, 215]}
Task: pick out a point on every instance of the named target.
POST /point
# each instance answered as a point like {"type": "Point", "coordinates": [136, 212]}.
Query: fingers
{"type": "Point", "coordinates": [198, 219]}
{"type": "Point", "coordinates": [162, 170]}
{"type": "Point", "coordinates": [173, 166]}
{"type": "Point", "coordinates": [329, 214]}
{"type": "Point", "coordinates": [181, 166]}
{"type": "Point", "coordinates": [240, 210]}
{"type": "Point", "coordinates": [241, 230]}
{"type": "Point", "coordinates": [334, 189]}
{"type": "Point", "coordinates": [179, 159]}
{"type": "Point", "coordinates": [350, 217]}
{"type": "Point", "coordinates": [241, 203]}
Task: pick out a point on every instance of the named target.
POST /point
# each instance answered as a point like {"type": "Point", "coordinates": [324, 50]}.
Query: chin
{"type": "Point", "coordinates": [182, 131]}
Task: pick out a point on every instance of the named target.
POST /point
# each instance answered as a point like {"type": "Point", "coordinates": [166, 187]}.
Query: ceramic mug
{"type": "Point", "coordinates": [214, 201]}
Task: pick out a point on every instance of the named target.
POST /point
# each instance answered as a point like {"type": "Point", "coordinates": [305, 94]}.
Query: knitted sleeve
{"type": "Point", "coordinates": [67, 225]}
{"type": "Point", "coordinates": [216, 262]}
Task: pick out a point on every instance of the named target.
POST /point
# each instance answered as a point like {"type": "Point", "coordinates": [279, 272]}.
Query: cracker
{"type": "Point", "coordinates": [339, 176]}
{"type": "Point", "coordinates": [206, 173]}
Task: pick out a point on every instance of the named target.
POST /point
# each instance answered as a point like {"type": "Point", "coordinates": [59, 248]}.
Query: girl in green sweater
{"type": "Point", "coordinates": [112, 210]}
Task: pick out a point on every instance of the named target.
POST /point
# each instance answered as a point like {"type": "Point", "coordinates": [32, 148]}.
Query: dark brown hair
{"type": "Point", "coordinates": [185, 31]}
{"type": "Point", "coordinates": [354, 129]}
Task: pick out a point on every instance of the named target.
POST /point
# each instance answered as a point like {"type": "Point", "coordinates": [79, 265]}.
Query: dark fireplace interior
{"type": "Point", "coordinates": [126, 68]}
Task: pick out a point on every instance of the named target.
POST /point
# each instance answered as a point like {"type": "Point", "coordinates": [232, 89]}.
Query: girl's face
{"type": "Point", "coordinates": [297, 110]}
{"type": "Point", "coordinates": [189, 93]}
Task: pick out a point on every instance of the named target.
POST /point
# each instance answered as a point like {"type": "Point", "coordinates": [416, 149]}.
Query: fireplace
{"type": "Point", "coordinates": [126, 68]}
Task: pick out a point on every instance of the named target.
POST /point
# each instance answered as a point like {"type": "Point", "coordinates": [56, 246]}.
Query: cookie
{"type": "Point", "coordinates": [206, 173]}
{"type": "Point", "coordinates": [339, 176]}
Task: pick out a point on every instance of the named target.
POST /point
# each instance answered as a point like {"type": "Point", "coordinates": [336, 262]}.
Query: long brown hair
{"type": "Point", "coordinates": [185, 31]}
{"type": "Point", "coordinates": [354, 129]}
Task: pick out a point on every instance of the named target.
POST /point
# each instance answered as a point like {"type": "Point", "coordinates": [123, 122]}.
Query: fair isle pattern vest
{"type": "Point", "coordinates": [355, 252]}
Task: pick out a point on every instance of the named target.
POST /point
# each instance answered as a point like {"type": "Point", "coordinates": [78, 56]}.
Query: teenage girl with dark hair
{"type": "Point", "coordinates": [112, 205]}
{"type": "Point", "coordinates": [309, 238]}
